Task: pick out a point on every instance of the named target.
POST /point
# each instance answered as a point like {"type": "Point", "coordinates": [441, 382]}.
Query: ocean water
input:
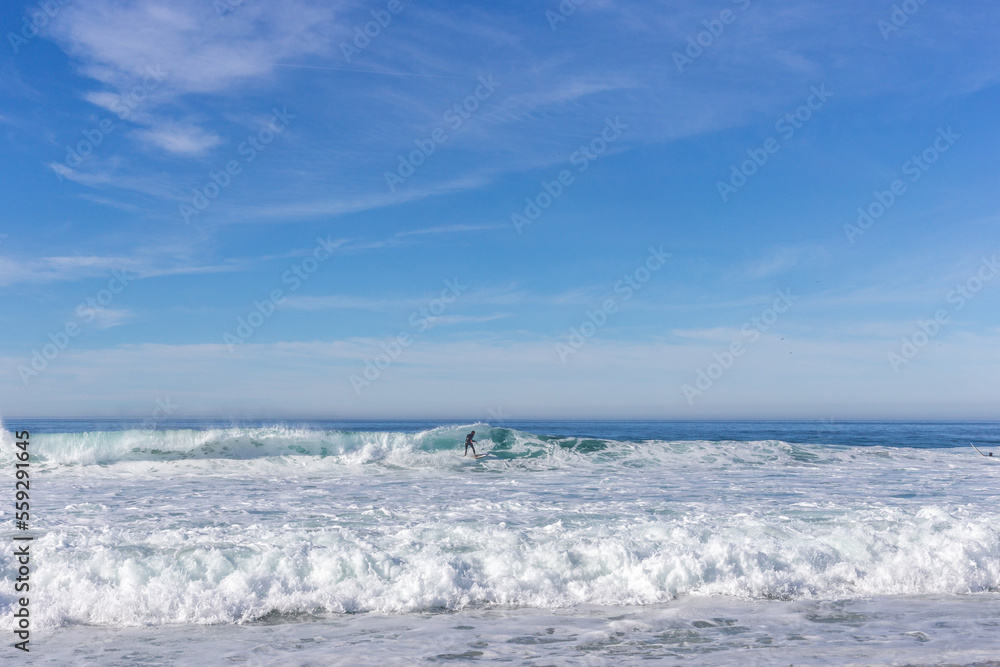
{"type": "Point", "coordinates": [572, 543]}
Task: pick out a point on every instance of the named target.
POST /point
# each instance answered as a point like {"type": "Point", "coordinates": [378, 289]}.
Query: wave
{"type": "Point", "coordinates": [108, 447]}
{"type": "Point", "coordinates": [391, 522]}
{"type": "Point", "coordinates": [427, 448]}
{"type": "Point", "coordinates": [113, 577]}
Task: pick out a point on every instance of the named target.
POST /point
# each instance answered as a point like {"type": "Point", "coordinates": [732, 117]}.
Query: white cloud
{"type": "Point", "coordinates": [176, 138]}
{"type": "Point", "coordinates": [450, 320]}
{"type": "Point", "coordinates": [53, 269]}
{"type": "Point", "coordinates": [520, 106]}
{"type": "Point", "coordinates": [449, 229]}
{"type": "Point", "coordinates": [81, 267]}
{"type": "Point", "coordinates": [195, 50]}
{"type": "Point", "coordinates": [721, 335]}
{"type": "Point", "coordinates": [354, 203]}
{"type": "Point", "coordinates": [347, 302]}
{"type": "Point", "coordinates": [103, 173]}
{"type": "Point", "coordinates": [106, 318]}
{"type": "Point", "coordinates": [201, 52]}
{"type": "Point", "coordinates": [782, 260]}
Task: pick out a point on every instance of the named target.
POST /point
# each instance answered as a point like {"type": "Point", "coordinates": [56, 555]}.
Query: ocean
{"type": "Point", "coordinates": [194, 542]}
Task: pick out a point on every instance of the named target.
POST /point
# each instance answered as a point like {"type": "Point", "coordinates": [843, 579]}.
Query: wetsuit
{"type": "Point", "coordinates": [468, 443]}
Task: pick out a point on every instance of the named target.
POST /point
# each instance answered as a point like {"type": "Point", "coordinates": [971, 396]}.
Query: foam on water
{"type": "Point", "coordinates": [119, 577]}
{"type": "Point", "coordinates": [236, 525]}
{"type": "Point", "coordinates": [703, 631]}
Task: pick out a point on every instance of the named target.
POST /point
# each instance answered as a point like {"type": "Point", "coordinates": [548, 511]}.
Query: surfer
{"type": "Point", "coordinates": [468, 443]}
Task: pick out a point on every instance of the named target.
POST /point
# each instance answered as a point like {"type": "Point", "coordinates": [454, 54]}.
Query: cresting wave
{"type": "Point", "coordinates": [426, 448]}
{"type": "Point", "coordinates": [108, 447]}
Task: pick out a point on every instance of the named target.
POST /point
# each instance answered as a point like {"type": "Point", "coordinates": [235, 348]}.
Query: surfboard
{"type": "Point", "coordinates": [481, 456]}
{"type": "Point", "coordinates": [977, 449]}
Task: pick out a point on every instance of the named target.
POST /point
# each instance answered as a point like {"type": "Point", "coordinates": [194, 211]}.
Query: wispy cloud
{"type": "Point", "coordinates": [107, 318]}
{"type": "Point", "coordinates": [200, 53]}
{"type": "Point", "coordinates": [449, 320]}
{"type": "Point", "coordinates": [107, 201]}
{"type": "Point", "coordinates": [115, 42]}
{"type": "Point", "coordinates": [82, 267]}
{"type": "Point", "coordinates": [293, 211]}
{"type": "Point", "coordinates": [113, 173]}
{"type": "Point", "coordinates": [448, 229]}
{"type": "Point", "coordinates": [504, 295]}
{"type": "Point", "coordinates": [346, 302]}
{"type": "Point", "coordinates": [176, 138]}
{"type": "Point", "coordinates": [522, 105]}
{"type": "Point", "coordinates": [53, 269]}
{"type": "Point", "coordinates": [782, 260]}
{"type": "Point", "coordinates": [720, 335]}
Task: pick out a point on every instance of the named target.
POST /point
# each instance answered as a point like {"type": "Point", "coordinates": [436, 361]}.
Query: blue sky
{"type": "Point", "coordinates": [365, 196]}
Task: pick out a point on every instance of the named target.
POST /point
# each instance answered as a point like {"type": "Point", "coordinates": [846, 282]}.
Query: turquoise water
{"type": "Point", "coordinates": [313, 542]}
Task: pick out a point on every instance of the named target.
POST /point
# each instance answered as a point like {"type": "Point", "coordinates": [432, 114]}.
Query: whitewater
{"type": "Point", "coordinates": [571, 543]}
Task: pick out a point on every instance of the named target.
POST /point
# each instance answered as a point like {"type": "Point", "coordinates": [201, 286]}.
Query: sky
{"type": "Point", "coordinates": [501, 211]}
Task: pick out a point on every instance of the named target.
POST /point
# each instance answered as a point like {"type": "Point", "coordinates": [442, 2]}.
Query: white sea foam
{"type": "Point", "coordinates": [551, 523]}
{"type": "Point", "coordinates": [702, 631]}
{"type": "Point", "coordinates": [118, 577]}
{"type": "Point", "coordinates": [235, 525]}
